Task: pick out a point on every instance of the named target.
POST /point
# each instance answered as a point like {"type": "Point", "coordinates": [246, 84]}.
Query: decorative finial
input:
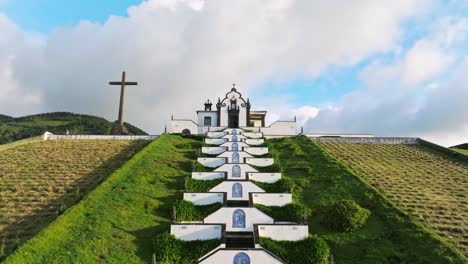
{"type": "Point", "coordinates": [172, 117]}
{"type": "Point", "coordinates": [165, 129]}
{"type": "Point", "coordinates": [294, 118]}
{"type": "Point", "coordinates": [233, 87]}
{"type": "Point", "coordinates": [302, 130]}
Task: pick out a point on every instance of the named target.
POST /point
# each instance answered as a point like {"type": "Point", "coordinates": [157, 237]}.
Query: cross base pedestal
{"type": "Point", "coordinates": [119, 130]}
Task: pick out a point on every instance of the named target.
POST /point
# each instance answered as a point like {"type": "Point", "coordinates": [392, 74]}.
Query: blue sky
{"type": "Point", "coordinates": [339, 66]}
{"type": "Point", "coordinates": [44, 15]}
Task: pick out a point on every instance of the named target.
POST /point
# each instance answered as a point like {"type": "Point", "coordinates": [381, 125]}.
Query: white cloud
{"type": "Point", "coordinates": [182, 52]}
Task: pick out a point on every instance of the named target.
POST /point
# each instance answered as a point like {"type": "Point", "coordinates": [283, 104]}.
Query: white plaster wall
{"type": "Point", "coordinates": [215, 141]}
{"type": "Point", "coordinates": [247, 187]}
{"type": "Point", "coordinates": [260, 162]}
{"type": "Point", "coordinates": [178, 125]}
{"type": "Point", "coordinates": [213, 150]}
{"type": "Point", "coordinates": [268, 177]}
{"type": "Point", "coordinates": [207, 175]}
{"type": "Point", "coordinates": [196, 232]}
{"type": "Point", "coordinates": [228, 155]}
{"type": "Point", "coordinates": [280, 128]}
{"type": "Point", "coordinates": [253, 134]}
{"type": "Point", "coordinates": [256, 150]}
{"type": "Point", "coordinates": [272, 199]}
{"type": "Point", "coordinates": [284, 232]}
{"type": "Point", "coordinates": [203, 130]}
{"type": "Point", "coordinates": [242, 116]}
{"type": "Point", "coordinates": [224, 117]}
{"type": "Point", "coordinates": [228, 169]}
{"type": "Point", "coordinates": [252, 216]}
{"type": "Point", "coordinates": [201, 118]}
{"type": "Point", "coordinates": [212, 162]}
{"type": "Point", "coordinates": [215, 134]}
{"type": "Point", "coordinates": [204, 198]}
{"type": "Point", "coordinates": [224, 256]}
{"type": "Point", "coordinates": [254, 141]}
{"type": "Point", "coordinates": [229, 145]}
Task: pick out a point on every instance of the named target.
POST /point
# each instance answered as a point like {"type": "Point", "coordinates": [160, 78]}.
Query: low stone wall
{"type": "Point", "coordinates": [212, 162]}
{"type": "Point", "coordinates": [206, 176]}
{"type": "Point", "coordinates": [215, 141]}
{"type": "Point", "coordinates": [284, 232]}
{"type": "Point", "coordinates": [370, 140]}
{"type": "Point", "coordinates": [204, 198]}
{"type": "Point", "coordinates": [272, 199]}
{"type": "Point", "coordinates": [260, 162]}
{"type": "Point", "coordinates": [97, 137]}
{"type": "Point", "coordinates": [213, 150]}
{"type": "Point", "coordinates": [212, 134]}
{"type": "Point", "coordinates": [189, 232]}
{"type": "Point", "coordinates": [253, 134]}
{"type": "Point", "coordinates": [256, 150]}
{"type": "Point", "coordinates": [268, 177]}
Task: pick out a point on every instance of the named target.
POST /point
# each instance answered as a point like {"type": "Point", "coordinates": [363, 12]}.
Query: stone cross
{"type": "Point", "coordinates": [122, 84]}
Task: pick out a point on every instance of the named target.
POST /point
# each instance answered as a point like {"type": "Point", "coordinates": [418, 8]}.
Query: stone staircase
{"type": "Point", "coordinates": [238, 222]}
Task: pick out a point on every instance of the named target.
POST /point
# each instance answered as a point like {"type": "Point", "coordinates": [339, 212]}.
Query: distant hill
{"type": "Point", "coordinates": [12, 129]}
{"type": "Point", "coordinates": [461, 146]}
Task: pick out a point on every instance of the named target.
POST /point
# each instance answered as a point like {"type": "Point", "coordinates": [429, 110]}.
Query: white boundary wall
{"type": "Point", "coordinates": [280, 128]}
{"type": "Point", "coordinates": [50, 136]}
{"type": "Point", "coordinates": [215, 141]}
{"type": "Point", "coordinates": [253, 134]}
{"type": "Point", "coordinates": [244, 168]}
{"type": "Point", "coordinates": [206, 176]}
{"type": "Point", "coordinates": [254, 141]}
{"type": "Point", "coordinates": [215, 134]}
{"type": "Point", "coordinates": [196, 232]}
{"type": "Point", "coordinates": [284, 232]}
{"type": "Point", "coordinates": [204, 198]}
{"type": "Point", "coordinates": [268, 177]}
{"type": "Point", "coordinates": [272, 199]}
{"type": "Point", "coordinates": [227, 256]}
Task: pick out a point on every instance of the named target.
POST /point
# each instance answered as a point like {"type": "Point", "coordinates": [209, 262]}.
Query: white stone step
{"type": "Point", "coordinates": [212, 162]}
{"type": "Point", "coordinates": [260, 162]}
{"type": "Point", "coordinates": [213, 150]}
{"type": "Point", "coordinates": [267, 177]}
{"type": "Point", "coordinates": [257, 151]}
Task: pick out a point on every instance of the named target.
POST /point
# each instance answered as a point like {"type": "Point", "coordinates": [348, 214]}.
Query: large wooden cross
{"type": "Point", "coordinates": [122, 84]}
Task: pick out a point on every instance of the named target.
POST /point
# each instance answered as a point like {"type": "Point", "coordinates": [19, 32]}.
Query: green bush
{"type": "Point", "coordinates": [283, 185]}
{"type": "Point", "coordinates": [171, 250]}
{"type": "Point", "coordinates": [345, 216]}
{"type": "Point", "coordinates": [198, 167]}
{"type": "Point", "coordinates": [201, 185]}
{"type": "Point", "coordinates": [272, 168]}
{"type": "Point", "coordinates": [291, 212]}
{"type": "Point", "coordinates": [310, 250]}
{"type": "Point", "coordinates": [188, 211]}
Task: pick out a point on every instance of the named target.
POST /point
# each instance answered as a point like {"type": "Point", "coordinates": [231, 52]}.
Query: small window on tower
{"type": "Point", "coordinates": [207, 121]}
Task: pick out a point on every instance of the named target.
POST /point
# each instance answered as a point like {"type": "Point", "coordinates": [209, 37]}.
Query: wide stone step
{"type": "Point", "coordinates": [240, 240]}
{"type": "Point", "coordinates": [237, 203]}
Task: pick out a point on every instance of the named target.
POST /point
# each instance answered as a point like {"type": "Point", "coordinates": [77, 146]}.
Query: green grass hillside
{"type": "Point", "coordinates": [116, 222]}
{"type": "Point", "coordinates": [12, 129]}
{"type": "Point", "coordinates": [38, 181]}
{"type": "Point", "coordinates": [389, 236]}
{"type": "Point", "coordinates": [463, 151]}
{"type": "Point", "coordinates": [429, 185]}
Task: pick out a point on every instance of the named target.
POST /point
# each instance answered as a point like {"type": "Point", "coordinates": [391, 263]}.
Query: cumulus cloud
{"type": "Point", "coordinates": [182, 52]}
{"type": "Point", "coordinates": [434, 106]}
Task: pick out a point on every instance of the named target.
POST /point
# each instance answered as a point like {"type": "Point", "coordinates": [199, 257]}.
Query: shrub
{"type": "Point", "coordinates": [345, 216]}
{"type": "Point", "coordinates": [283, 185]}
{"type": "Point", "coordinates": [310, 250]}
{"type": "Point", "coordinates": [169, 249]}
{"type": "Point", "coordinates": [188, 211]}
{"type": "Point", "coordinates": [201, 185]}
{"type": "Point", "coordinates": [291, 212]}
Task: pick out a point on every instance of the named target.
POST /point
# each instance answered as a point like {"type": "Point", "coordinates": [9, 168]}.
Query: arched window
{"type": "Point", "coordinates": [186, 132]}
{"type": "Point", "coordinates": [237, 190]}
{"type": "Point", "coordinates": [235, 157]}
{"type": "Point", "coordinates": [241, 258]}
{"type": "Point", "coordinates": [233, 103]}
{"type": "Point", "coordinates": [238, 218]}
{"type": "Point", "coordinates": [236, 171]}
{"type": "Point", "coordinates": [234, 138]}
{"type": "Point", "coordinates": [235, 147]}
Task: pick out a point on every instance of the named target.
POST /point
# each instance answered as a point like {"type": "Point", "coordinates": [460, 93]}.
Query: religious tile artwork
{"type": "Point", "coordinates": [238, 218]}
{"type": "Point", "coordinates": [237, 190]}
{"type": "Point", "coordinates": [236, 171]}
{"type": "Point", "coordinates": [207, 121]}
{"type": "Point", "coordinates": [241, 258]}
{"type": "Point", "coordinates": [234, 132]}
{"type": "Point", "coordinates": [235, 157]}
{"type": "Point", "coordinates": [235, 147]}
{"type": "Point", "coordinates": [234, 138]}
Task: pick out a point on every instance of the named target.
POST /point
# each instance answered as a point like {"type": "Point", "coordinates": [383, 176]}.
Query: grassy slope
{"type": "Point", "coordinates": [38, 181]}
{"type": "Point", "coordinates": [463, 151]}
{"type": "Point", "coordinates": [117, 221]}
{"type": "Point", "coordinates": [388, 237]}
{"type": "Point", "coordinates": [12, 129]}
